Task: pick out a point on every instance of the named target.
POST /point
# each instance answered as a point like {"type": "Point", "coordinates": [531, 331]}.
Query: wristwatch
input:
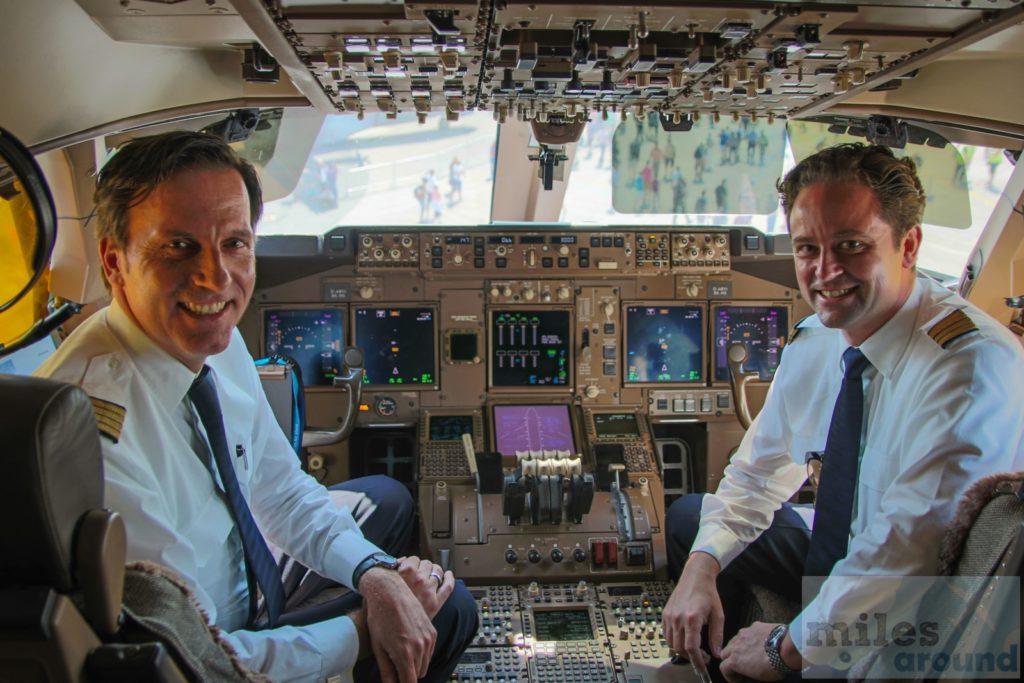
{"type": "Point", "coordinates": [773, 648]}
{"type": "Point", "coordinates": [378, 559]}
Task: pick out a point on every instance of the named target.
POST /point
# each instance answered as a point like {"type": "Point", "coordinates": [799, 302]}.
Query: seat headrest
{"type": "Point", "coordinates": [53, 475]}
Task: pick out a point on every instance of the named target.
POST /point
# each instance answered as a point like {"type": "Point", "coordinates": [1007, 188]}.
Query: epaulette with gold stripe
{"type": "Point", "coordinates": [109, 418]}
{"type": "Point", "coordinates": [951, 328]}
{"type": "Point", "coordinates": [796, 329]}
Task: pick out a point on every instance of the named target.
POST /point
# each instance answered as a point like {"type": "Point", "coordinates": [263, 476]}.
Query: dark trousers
{"type": "Point", "coordinates": [387, 516]}
{"type": "Point", "coordinates": [775, 560]}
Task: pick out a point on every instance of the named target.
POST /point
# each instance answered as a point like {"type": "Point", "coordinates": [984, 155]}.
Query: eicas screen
{"type": "Point", "coordinates": [532, 428]}
{"type": "Point", "coordinates": [313, 337]}
{"type": "Point", "coordinates": [530, 348]}
{"type": "Point", "coordinates": [762, 329]}
{"type": "Point", "coordinates": [664, 344]}
{"type": "Point", "coordinates": [398, 345]}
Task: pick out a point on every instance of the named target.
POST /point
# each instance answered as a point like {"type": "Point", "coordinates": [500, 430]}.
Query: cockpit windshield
{"type": "Point", "coordinates": [378, 170]}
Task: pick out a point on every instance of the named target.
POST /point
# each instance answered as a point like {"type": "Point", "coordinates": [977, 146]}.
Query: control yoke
{"type": "Point", "coordinates": [738, 380]}
{"type": "Point", "coordinates": [351, 380]}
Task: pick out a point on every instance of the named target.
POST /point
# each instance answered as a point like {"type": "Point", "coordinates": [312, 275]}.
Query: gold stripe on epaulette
{"type": "Point", "coordinates": [951, 328]}
{"type": "Point", "coordinates": [109, 418]}
{"type": "Point", "coordinates": [796, 329]}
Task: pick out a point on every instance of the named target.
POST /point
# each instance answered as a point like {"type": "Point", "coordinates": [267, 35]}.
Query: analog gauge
{"type": "Point", "coordinates": [385, 406]}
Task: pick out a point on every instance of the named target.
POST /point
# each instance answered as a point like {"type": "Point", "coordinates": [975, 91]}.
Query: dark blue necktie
{"type": "Point", "coordinates": [833, 508]}
{"type": "Point", "coordinates": [258, 559]}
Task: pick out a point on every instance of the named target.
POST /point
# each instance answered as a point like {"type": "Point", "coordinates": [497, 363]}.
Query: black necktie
{"type": "Point", "coordinates": [258, 558]}
{"type": "Point", "coordinates": [834, 502]}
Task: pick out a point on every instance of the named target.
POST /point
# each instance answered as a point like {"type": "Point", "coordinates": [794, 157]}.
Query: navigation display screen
{"type": "Point", "coordinates": [762, 329]}
{"type": "Point", "coordinates": [450, 427]}
{"type": "Point", "coordinates": [532, 428]}
{"type": "Point", "coordinates": [530, 348]}
{"type": "Point", "coordinates": [664, 344]}
{"type": "Point", "coordinates": [398, 345]}
{"type": "Point", "coordinates": [562, 624]}
{"type": "Point", "coordinates": [313, 337]}
{"type": "Point", "coordinates": [611, 425]}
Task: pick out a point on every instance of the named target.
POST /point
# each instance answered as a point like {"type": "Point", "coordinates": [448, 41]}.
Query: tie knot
{"type": "Point", "coordinates": [854, 363]}
{"type": "Point", "coordinates": [203, 392]}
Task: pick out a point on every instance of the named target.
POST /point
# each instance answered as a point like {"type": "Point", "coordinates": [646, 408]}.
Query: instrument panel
{"type": "Point", "coordinates": [553, 390]}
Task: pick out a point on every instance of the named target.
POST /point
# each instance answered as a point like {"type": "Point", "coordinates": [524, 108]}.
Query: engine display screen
{"type": "Point", "coordinates": [762, 329]}
{"type": "Point", "coordinates": [450, 427]}
{"type": "Point", "coordinates": [313, 337]}
{"type": "Point", "coordinates": [664, 344]}
{"type": "Point", "coordinates": [612, 425]}
{"type": "Point", "coordinates": [398, 345]}
{"type": "Point", "coordinates": [530, 348]}
{"type": "Point", "coordinates": [532, 428]}
{"type": "Point", "coordinates": [562, 624]}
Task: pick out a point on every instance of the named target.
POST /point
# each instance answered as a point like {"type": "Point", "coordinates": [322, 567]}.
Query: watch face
{"type": "Point", "coordinates": [385, 560]}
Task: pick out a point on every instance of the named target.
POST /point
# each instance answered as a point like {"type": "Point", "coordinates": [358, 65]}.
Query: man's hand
{"type": "Point", "coordinates": [428, 583]}
{"type": "Point", "coordinates": [401, 635]}
{"type": "Point", "coordinates": [744, 657]}
{"type": "Point", "coordinates": [694, 604]}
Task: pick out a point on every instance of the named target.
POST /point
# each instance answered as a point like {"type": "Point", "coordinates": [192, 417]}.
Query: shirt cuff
{"type": "Point", "coordinates": [345, 553]}
{"type": "Point", "coordinates": [328, 635]}
{"type": "Point", "coordinates": [718, 543]}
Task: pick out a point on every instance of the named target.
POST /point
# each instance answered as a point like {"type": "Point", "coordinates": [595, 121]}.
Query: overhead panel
{"type": "Point", "coordinates": [543, 60]}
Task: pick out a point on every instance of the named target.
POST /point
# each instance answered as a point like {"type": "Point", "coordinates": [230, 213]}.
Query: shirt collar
{"type": "Point", "coordinates": [167, 377]}
{"type": "Point", "coordinates": [885, 348]}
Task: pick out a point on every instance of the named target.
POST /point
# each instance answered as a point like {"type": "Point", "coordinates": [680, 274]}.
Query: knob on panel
{"type": "Point", "coordinates": [511, 557]}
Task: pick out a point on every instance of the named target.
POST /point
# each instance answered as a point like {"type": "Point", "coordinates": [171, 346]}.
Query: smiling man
{"type": "Point", "coordinates": [901, 390]}
{"type": "Point", "coordinates": [193, 458]}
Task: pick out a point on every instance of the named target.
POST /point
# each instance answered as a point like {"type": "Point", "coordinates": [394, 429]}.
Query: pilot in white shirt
{"type": "Point", "coordinates": [175, 221]}
{"type": "Point", "coordinates": [940, 411]}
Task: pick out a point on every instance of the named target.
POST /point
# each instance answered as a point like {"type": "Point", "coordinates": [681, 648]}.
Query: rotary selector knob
{"type": "Point", "coordinates": [692, 289]}
{"type": "Point", "coordinates": [406, 241]}
{"type": "Point", "coordinates": [506, 291]}
{"type": "Point", "coordinates": [563, 293]}
{"type": "Point", "coordinates": [366, 291]}
{"type": "Point", "coordinates": [495, 292]}
{"type": "Point", "coordinates": [579, 554]}
{"type": "Point", "coordinates": [500, 250]}
{"type": "Point", "coordinates": [720, 240]}
{"type": "Point", "coordinates": [457, 259]}
{"type": "Point", "coordinates": [709, 251]}
{"type": "Point", "coordinates": [533, 555]}
{"type": "Point", "coordinates": [563, 250]}
{"type": "Point", "coordinates": [591, 391]}
{"type": "Point", "coordinates": [609, 309]}
{"type": "Point", "coordinates": [396, 254]}
{"type": "Point", "coordinates": [529, 294]}
{"type": "Point", "coordinates": [367, 241]}
{"type": "Point", "coordinates": [557, 555]}
{"type": "Point", "coordinates": [511, 557]}
{"type": "Point", "coordinates": [694, 252]}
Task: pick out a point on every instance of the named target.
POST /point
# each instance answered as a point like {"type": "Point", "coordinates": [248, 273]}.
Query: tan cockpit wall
{"type": "Point", "coordinates": [63, 76]}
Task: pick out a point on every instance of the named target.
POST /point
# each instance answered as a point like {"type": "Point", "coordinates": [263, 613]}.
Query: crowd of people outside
{"type": "Point", "coordinates": [428, 192]}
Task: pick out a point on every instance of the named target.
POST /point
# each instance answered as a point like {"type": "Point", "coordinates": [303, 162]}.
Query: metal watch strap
{"type": "Point", "coordinates": [773, 648]}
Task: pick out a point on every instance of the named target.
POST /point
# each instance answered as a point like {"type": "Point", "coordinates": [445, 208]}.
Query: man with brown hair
{"type": "Point", "coordinates": [194, 460]}
{"type": "Point", "coordinates": [925, 389]}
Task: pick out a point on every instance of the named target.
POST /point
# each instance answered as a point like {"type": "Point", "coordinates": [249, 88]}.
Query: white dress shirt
{"type": "Point", "coordinates": [166, 496]}
{"type": "Point", "coordinates": [936, 420]}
